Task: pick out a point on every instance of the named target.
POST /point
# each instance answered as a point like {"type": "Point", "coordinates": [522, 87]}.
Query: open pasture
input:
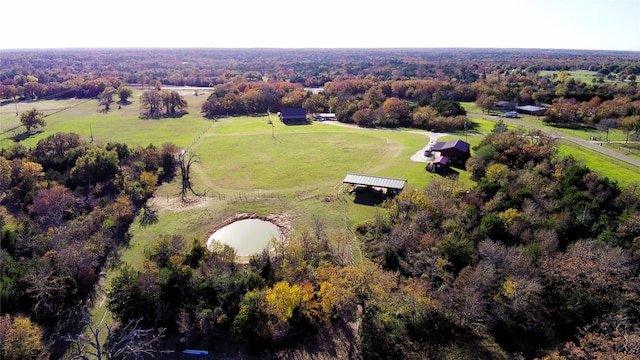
{"type": "Point", "coordinates": [246, 154]}
{"type": "Point", "coordinates": [617, 170]}
{"type": "Point", "coordinates": [120, 124]}
{"type": "Point", "coordinates": [581, 76]}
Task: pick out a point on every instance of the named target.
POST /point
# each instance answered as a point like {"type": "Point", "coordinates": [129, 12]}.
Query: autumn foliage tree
{"type": "Point", "coordinates": [20, 338]}
{"type": "Point", "coordinates": [106, 97]}
{"type": "Point", "coordinates": [151, 102]}
{"type": "Point", "coordinates": [32, 119]}
{"type": "Point", "coordinates": [51, 205]}
{"type": "Point", "coordinates": [124, 93]}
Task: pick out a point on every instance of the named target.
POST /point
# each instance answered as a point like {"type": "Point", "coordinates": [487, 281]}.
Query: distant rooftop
{"type": "Point", "coordinates": [531, 108]}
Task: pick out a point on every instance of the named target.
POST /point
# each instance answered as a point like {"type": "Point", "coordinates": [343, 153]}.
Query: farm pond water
{"type": "Point", "coordinates": [248, 237]}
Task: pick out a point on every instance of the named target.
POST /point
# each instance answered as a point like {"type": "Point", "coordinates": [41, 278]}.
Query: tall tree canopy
{"type": "Point", "coordinates": [32, 119]}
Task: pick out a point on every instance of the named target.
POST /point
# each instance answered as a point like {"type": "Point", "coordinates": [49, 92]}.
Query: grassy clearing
{"type": "Point", "coordinates": [629, 149]}
{"type": "Point", "coordinates": [582, 133]}
{"type": "Point", "coordinates": [87, 119]}
{"type": "Point", "coordinates": [471, 107]}
{"type": "Point", "coordinates": [614, 169]}
{"type": "Point", "coordinates": [584, 76]}
{"type": "Point", "coordinates": [242, 155]}
{"type": "Point", "coordinates": [481, 126]}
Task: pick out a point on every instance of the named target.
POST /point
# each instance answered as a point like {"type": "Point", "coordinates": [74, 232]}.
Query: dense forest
{"type": "Point", "coordinates": [540, 259]}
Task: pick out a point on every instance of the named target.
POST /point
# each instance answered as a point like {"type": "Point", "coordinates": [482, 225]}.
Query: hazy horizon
{"type": "Point", "coordinates": [602, 25]}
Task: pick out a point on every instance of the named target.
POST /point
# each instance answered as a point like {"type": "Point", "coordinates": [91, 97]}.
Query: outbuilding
{"type": "Point", "coordinates": [439, 165]}
{"type": "Point", "coordinates": [390, 186]}
{"type": "Point", "coordinates": [324, 116]}
{"type": "Point", "coordinates": [506, 106]}
{"type": "Point", "coordinates": [292, 116]}
{"type": "Point", "coordinates": [532, 110]}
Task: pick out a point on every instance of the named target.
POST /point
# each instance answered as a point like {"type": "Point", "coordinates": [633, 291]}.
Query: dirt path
{"type": "Point", "coordinates": [593, 145]}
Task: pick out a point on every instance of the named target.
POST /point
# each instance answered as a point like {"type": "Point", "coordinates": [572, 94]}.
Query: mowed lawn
{"type": "Point", "coordinates": [617, 170]}
{"type": "Point", "coordinates": [246, 154]}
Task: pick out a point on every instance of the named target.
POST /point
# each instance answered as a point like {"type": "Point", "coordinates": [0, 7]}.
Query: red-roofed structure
{"type": "Point", "coordinates": [439, 165]}
{"type": "Point", "coordinates": [457, 151]}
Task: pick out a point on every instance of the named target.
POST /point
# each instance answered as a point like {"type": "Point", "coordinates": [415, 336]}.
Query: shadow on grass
{"type": "Point", "coordinates": [370, 198]}
{"type": "Point", "coordinates": [149, 116]}
{"type": "Point", "coordinates": [451, 172]}
{"type": "Point", "coordinates": [296, 122]}
{"type": "Point", "coordinates": [17, 137]}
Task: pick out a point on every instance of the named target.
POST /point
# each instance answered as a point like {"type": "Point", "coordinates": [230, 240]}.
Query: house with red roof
{"type": "Point", "coordinates": [449, 153]}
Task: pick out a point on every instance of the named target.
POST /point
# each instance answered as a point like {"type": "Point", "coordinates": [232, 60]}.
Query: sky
{"type": "Point", "coordinates": [541, 24]}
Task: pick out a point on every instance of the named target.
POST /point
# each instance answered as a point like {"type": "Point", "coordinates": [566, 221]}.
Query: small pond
{"type": "Point", "coordinates": [247, 237]}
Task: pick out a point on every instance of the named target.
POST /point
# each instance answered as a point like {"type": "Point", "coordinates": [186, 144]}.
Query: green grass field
{"type": "Point", "coordinates": [614, 169]}
{"type": "Point", "coordinates": [246, 165]}
{"type": "Point", "coordinates": [584, 76]}
{"type": "Point", "coordinates": [583, 133]}
{"type": "Point", "coordinates": [87, 119]}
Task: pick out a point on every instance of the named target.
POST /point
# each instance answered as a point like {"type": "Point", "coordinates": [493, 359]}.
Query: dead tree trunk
{"type": "Point", "coordinates": [186, 159]}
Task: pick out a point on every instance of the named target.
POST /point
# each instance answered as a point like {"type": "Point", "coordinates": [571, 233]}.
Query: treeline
{"type": "Point", "coordinates": [66, 71]}
{"type": "Point", "coordinates": [309, 67]}
{"type": "Point", "coordinates": [433, 104]}
{"type": "Point", "coordinates": [362, 102]}
{"type": "Point", "coordinates": [31, 87]}
{"type": "Point", "coordinates": [618, 113]}
{"type": "Point", "coordinates": [65, 208]}
{"type": "Point", "coordinates": [396, 87]}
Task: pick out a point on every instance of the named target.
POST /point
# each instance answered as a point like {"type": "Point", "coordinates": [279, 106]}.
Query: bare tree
{"type": "Point", "coordinates": [606, 124]}
{"type": "Point", "coordinates": [121, 342]}
{"type": "Point", "coordinates": [186, 159]}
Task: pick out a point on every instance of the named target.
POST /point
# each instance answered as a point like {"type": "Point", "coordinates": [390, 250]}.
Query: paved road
{"type": "Point", "coordinates": [588, 144]}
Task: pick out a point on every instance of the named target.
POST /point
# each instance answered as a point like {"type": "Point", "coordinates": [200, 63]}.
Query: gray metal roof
{"type": "Point", "coordinates": [531, 108]}
{"type": "Point", "coordinates": [389, 183]}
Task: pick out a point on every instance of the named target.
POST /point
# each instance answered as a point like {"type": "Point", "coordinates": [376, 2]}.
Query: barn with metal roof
{"type": "Point", "coordinates": [533, 110]}
{"type": "Point", "coordinates": [390, 184]}
{"type": "Point", "coordinates": [293, 116]}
